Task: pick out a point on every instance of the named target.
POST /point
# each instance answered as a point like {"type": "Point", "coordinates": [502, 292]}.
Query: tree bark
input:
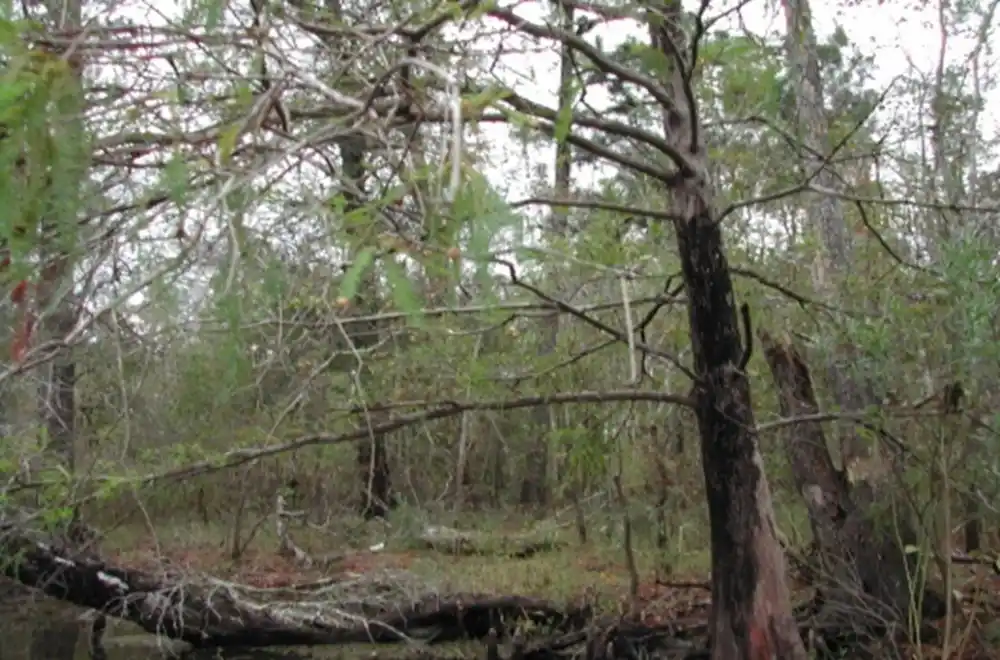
{"type": "Point", "coordinates": [851, 391]}
{"type": "Point", "coordinates": [206, 616]}
{"type": "Point", "coordinates": [864, 572]}
{"type": "Point", "coordinates": [534, 486]}
{"type": "Point", "coordinates": [751, 608]}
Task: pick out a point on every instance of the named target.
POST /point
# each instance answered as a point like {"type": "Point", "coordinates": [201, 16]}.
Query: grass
{"type": "Point", "coordinates": [567, 574]}
{"type": "Point", "coordinates": [597, 569]}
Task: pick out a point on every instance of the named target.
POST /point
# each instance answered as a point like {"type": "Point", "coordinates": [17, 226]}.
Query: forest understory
{"type": "Point", "coordinates": [510, 329]}
{"type": "Point", "coordinates": [514, 587]}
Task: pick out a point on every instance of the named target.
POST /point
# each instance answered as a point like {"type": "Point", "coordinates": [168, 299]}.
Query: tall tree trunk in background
{"type": "Point", "coordinates": [438, 290]}
{"type": "Point", "coordinates": [833, 262]}
{"type": "Point", "coordinates": [889, 595]}
{"type": "Point", "coordinates": [535, 484]}
{"type": "Point", "coordinates": [948, 189]}
{"type": "Point", "coordinates": [373, 457]}
{"type": "Point", "coordinates": [55, 300]}
{"type": "Point", "coordinates": [58, 309]}
{"type": "Point", "coordinates": [751, 608]}
{"type": "Point", "coordinates": [57, 400]}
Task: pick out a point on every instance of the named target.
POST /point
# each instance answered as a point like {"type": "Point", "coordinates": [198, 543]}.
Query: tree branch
{"type": "Point", "coordinates": [445, 409]}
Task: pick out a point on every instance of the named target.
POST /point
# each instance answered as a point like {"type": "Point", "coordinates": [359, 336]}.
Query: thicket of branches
{"type": "Point", "coordinates": [423, 254]}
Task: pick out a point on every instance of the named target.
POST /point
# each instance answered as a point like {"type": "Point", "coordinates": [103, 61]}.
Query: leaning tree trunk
{"type": "Point", "coordinates": [851, 391]}
{"type": "Point", "coordinates": [864, 573]}
{"type": "Point", "coordinates": [751, 609]}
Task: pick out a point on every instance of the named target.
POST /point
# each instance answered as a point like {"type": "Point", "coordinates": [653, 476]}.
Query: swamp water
{"type": "Point", "coordinates": [51, 631]}
{"type": "Point", "coordinates": [35, 628]}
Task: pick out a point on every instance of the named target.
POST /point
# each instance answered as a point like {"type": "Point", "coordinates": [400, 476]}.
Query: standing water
{"type": "Point", "coordinates": [33, 627]}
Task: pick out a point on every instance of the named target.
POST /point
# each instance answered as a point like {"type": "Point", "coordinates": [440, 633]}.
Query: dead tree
{"type": "Point", "coordinates": [865, 574]}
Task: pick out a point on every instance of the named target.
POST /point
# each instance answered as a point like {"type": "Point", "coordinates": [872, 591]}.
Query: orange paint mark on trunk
{"type": "Point", "coordinates": [22, 338]}
{"type": "Point", "coordinates": [17, 293]}
{"type": "Point", "coordinates": [761, 647]}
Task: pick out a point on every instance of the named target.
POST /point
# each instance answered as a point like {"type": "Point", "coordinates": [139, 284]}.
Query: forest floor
{"type": "Point", "coordinates": [568, 575]}
{"type": "Point", "coordinates": [596, 572]}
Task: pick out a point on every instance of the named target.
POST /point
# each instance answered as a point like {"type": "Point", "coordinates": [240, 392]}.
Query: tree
{"type": "Point", "coordinates": [751, 615]}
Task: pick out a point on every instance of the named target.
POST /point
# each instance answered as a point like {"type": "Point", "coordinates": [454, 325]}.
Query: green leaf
{"type": "Point", "coordinates": [352, 278]}
{"type": "Point", "coordinates": [175, 179]}
{"type": "Point", "coordinates": [213, 14]}
{"type": "Point", "coordinates": [227, 142]}
{"type": "Point", "coordinates": [474, 104]}
{"type": "Point", "coordinates": [564, 118]}
{"type": "Point", "coordinates": [403, 295]}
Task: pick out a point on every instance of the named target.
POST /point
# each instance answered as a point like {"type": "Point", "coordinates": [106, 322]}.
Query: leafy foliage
{"type": "Point", "coordinates": [224, 265]}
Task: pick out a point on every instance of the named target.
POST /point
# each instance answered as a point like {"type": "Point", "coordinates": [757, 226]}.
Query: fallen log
{"type": "Point", "coordinates": [210, 613]}
{"type": "Point", "coordinates": [448, 540]}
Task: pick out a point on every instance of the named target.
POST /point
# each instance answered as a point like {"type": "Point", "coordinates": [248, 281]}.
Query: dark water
{"type": "Point", "coordinates": [36, 629]}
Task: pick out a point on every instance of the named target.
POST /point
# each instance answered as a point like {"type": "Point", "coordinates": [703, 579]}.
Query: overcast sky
{"type": "Point", "coordinates": [903, 38]}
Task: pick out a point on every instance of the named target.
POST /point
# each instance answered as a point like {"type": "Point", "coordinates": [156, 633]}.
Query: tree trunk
{"type": "Point", "coordinates": [947, 185]}
{"type": "Point", "coordinates": [57, 392]}
{"type": "Point", "coordinates": [833, 261]}
{"type": "Point", "coordinates": [373, 458]}
{"type": "Point", "coordinates": [56, 302]}
{"type": "Point", "coordinates": [864, 572]}
{"type": "Point", "coordinates": [534, 486]}
{"type": "Point", "coordinates": [751, 608]}
{"type": "Point", "coordinates": [850, 391]}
